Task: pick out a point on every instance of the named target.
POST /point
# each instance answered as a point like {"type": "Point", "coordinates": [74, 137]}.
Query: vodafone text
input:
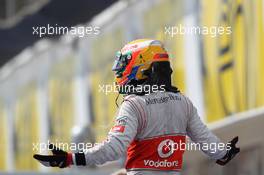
{"type": "Point", "coordinates": [159, 164]}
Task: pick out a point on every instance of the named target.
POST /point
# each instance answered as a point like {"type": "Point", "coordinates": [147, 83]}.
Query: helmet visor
{"type": "Point", "coordinates": [121, 61]}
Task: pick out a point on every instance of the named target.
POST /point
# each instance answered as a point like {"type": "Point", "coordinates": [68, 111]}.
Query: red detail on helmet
{"type": "Point", "coordinates": [123, 81]}
{"type": "Point", "coordinates": [129, 47]}
{"type": "Point", "coordinates": [161, 55]}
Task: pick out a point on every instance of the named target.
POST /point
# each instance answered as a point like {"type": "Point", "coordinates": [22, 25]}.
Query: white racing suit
{"type": "Point", "coordinates": [148, 128]}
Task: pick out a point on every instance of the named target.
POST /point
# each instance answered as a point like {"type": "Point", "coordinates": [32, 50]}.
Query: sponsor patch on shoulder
{"type": "Point", "coordinates": [120, 124]}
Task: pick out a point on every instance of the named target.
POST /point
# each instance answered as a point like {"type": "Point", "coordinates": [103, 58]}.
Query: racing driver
{"type": "Point", "coordinates": [153, 119]}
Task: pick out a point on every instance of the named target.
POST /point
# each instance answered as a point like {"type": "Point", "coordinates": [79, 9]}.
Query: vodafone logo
{"type": "Point", "coordinates": [129, 48]}
{"type": "Point", "coordinates": [165, 148]}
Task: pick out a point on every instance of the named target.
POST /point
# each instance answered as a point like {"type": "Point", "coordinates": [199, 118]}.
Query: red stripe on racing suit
{"type": "Point", "coordinates": [160, 153]}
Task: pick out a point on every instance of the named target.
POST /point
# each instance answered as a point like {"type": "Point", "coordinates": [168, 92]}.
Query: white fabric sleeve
{"type": "Point", "coordinates": [199, 133]}
{"type": "Point", "coordinates": [119, 137]}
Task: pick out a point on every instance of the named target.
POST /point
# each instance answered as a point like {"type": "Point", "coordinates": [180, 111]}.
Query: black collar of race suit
{"type": "Point", "coordinates": [167, 89]}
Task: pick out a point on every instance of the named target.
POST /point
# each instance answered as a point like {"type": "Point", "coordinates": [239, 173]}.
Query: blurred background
{"type": "Point", "coordinates": [49, 85]}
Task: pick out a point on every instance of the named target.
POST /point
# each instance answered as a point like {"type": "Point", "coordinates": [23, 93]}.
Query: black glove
{"type": "Point", "coordinates": [230, 153]}
{"type": "Point", "coordinates": [59, 158]}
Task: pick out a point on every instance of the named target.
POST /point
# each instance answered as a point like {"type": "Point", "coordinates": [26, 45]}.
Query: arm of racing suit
{"type": "Point", "coordinates": [120, 136]}
{"type": "Point", "coordinates": [199, 133]}
{"type": "Point", "coordinates": [115, 146]}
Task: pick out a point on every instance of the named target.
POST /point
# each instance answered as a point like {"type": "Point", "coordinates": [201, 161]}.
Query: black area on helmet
{"type": "Point", "coordinates": [158, 74]}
